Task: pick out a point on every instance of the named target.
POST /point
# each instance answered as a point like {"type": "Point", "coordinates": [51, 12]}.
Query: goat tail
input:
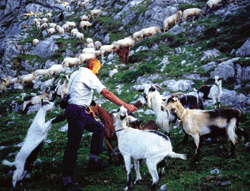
{"type": "Point", "coordinates": [176, 155]}
{"type": "Point", "coordinates": [8, 163]}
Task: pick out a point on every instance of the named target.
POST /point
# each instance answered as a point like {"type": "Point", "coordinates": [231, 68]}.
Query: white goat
{"type": "Point", "coordinates": [88, 50]}
{"type": "Point", "coordinates": [192, 12]}
{"type": "Point", "coordinates": [85, 17]}
{"type": "Point", "coordinates": [217, 122]}
{"type": "Point", "coordinates": [174, 19]}
{"type": "Point", "coordinates": [66, 27]}
{"type": "Point", "coordinates": [63, 89]}
{"type": "Point", "coordinates": [33, 100]}
{"type": "Point", "coordinates": [207, 92]}
{"type": "Point", "coordinates": [151, 145]}
{"type": "Point", "coordinates": [96, 12]}
{"type": "Point", "coordinates": [33, 143]}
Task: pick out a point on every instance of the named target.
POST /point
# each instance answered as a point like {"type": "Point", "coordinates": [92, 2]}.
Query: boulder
{"type": "Point", "coordinates": [244, 50]}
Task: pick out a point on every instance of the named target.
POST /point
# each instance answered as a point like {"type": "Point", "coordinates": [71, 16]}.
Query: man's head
{"type": "Point", "coordinates": [94, 65]}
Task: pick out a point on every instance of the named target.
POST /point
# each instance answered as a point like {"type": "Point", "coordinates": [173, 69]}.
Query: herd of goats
{"type": "Point", "coordinates": [124, 127]}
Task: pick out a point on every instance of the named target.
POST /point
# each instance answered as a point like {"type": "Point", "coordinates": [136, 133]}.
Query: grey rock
{"type": "Point", "coordinates": [244, 50]}
{"type": "Point", "coordinates": [46, 84]}
{"type": "Point", "coordinates": [180, 85]}
{"type": "Point", "coordinates": [225, 69]}
{"type": "Point", "coordinates": [209, 66]}
{"type": "Point", "coordinates": [26, 65]}
{"type": "Point", "coordinates": [10, 50]}
{"type": "Point", "coordinates": [11, 5]}
{"type": "Point", "coordinates": [106, 39]}
{"type": "Point", "coordinates": [210, 54]}
{"type": "Point", "coordinates": [45, 48]}
{"type": "Point", "coordinates": [176, 30]}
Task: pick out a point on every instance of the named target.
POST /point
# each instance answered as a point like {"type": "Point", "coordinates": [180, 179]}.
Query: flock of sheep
{"type": "Point", "coordinates": [189, 109]}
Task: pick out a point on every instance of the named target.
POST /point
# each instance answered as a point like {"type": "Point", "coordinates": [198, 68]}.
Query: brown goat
{"type": "Point", "coordinates": [123, 54]}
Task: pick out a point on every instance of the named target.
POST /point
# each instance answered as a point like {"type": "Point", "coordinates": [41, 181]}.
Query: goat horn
{"type": "Point", "coordinates": [160, 87]}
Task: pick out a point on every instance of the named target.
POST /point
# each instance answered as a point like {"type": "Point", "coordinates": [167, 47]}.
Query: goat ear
{"type": "Point", "coordinates": [132, 119]}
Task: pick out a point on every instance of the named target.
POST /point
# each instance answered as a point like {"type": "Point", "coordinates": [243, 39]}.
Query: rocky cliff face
{"type": "Point", "coordinates": [130, 16]}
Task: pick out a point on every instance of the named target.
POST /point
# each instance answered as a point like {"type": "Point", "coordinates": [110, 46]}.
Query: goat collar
{"type": "Point", "coordinates": [119, 130]}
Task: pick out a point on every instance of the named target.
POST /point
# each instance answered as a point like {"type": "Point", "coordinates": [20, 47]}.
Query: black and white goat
{"type": "Point", "coordinates": [33, 100]}
{"type": "Point", "coordinates": [151, 145]}
{"type": "Point", "coordinates": [208, 92]}
{"type": "Point", "coordinates": [59, 90]}
{"type": "Point", "coordinates": [154, 100]}
{"type": "Point", "coordinates": [197, 123]}
{"type": "Point", "coordinates": [33, 142]}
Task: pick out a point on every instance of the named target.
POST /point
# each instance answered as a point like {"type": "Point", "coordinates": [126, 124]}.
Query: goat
{"type": "Point", "coordinates": [197, 123]}
{"type": "Point", "coordinates": [151, 145]}
{"type": "Point", "coordinates": [108, 122]}
{"type": "Point", "coordinates": [123, 54]}
{"type": "Point", "coordinates": [63, 89]}
{"type": "Point", "coordinates": [27, 78]}
{"type": "Point", "coordinates": [33, 143]}
{"type": "Point", "coordinates": [154, 100]}
{"type": "Point", "coordinates": [207, 92]}
{"type": "Point", "coordinates": [33, 100]}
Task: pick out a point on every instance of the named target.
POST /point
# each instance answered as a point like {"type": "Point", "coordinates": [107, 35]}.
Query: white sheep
{"type": "Point", "coordinates": [90, 45]}
{"type": "Point", "coordinates": [53, 69]}
{"type": "Point", "coordinates": [4, 83]}
{"type": "Point", "coordinates": [138, 35]}
{"type": "Point", "coordinates": [211, 4]}
{"type": "Point", "coordinates": [96, 12]}
{"type": "Point", "coordinates": [106, 49]}
{"type": "Point", "coordinates": [174, 19]}
{"type": "Point", "coordinates": [151, 145]}
{"type": "Point", "coordinates": [42, 72]}
{"type": "Point", "coordinates": [67, 62]}
{"type": "Point", "coordinates": [85, 24]}
{"type": "Point", "coordinates": [88, 50]}
{"type": "Point", "coordinates": [66, 27]}
{"type": "Point", "coordinates": [192, 12]}
{"type": "Point", "coordinates": [79, 36]}
{"type": "Point", "coordinates": [33, 142]}
{"type": "Point", "coordinates": [71, 24]}
{"type": "Point", "coordinates": [127, 42]}
{"type": "Point", "coordinates": [35, 42]}
{"type": "Point", "coordinates": [51, 31]}
{"type": "Point", "coordinates": [150, 32]}
{"type": "Point", "coordinates": [38, 26]}
{"type": "Point", "coordinates": [98, 45]}
{"type": "Point", "coordinates": [49, 15]}
{"type": "Point", "coordinates": [85, 17]}
{"type": "Point", "coordinates": [85, 57]}
{"type": "Point", "coordinates": [44, 20]}
{"type": "Point", "coordinates": [44, 26]}
{"type": "Point", "coordinates": [52, 25]}
{"type": "Point", "coordinates": [73, 31]}
{"type": "Point", "coordinates": [89, 40]}
{"type": "Point", "coordinates": [60, 30]}
{"type": "Point", "coordinates": [27, 78]}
